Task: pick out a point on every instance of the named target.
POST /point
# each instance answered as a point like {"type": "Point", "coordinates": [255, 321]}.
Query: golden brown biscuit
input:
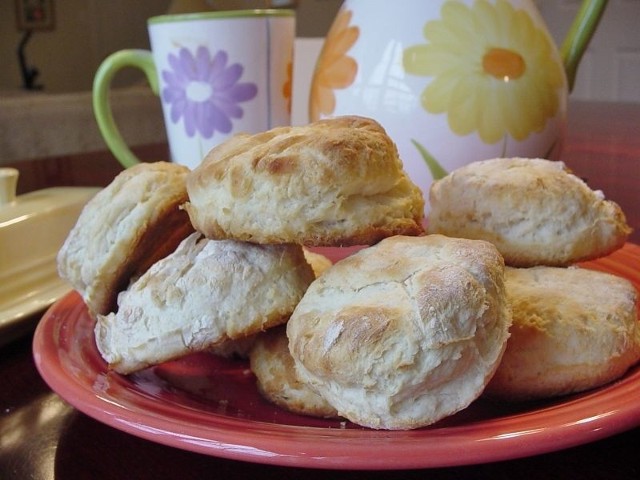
{"type": "Point", "coordinates": [277, 379]}
{"type": "Point", "coordinates": [124, 229]}
{"type": "Point", "coordinates": [334, 182]}
{"type": "Point", "coordinates": [535, 212]}
{"type": "Point", "coordinates": [319, 263]}
{"type": "Point", "coordinates": [204, 293]}
{"type": "Point", "coordinates": [402, 334]}
{"type": "Point", "coordinates": [573, 329]}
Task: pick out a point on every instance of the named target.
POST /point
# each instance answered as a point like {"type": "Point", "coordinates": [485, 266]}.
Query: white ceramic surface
{"type": "Point", "coordinates": [451, 81]}
{"type": "Point", "coordinates": [32, 229]}
{"type": "Point", "coordinates": [8, 184]}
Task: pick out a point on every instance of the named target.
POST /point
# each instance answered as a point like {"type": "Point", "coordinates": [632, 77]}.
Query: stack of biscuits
{"type": "Point", "coordinates": [573, 328]}
{"type": "Point", "coordinates": [172, 261]}
{"type": "Point", "coordinates": [410, 329]}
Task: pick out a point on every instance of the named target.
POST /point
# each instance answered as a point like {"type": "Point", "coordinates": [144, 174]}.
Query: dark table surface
{"type": "Point", "coordinates": [43, 437]}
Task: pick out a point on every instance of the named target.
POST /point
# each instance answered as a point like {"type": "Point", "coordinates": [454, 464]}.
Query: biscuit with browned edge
{"type": "Point", "coordinates": [201, 295]}
{"type": "Point", "coordinates": [404, 333]}
{"type": "Point", "coordinates": [277, 380]}
{"type": "Point", "coordinates": [125, 228]}
{"type": "Point", "coordinates": [533, 210]}
{"type": "Point", "coordinates": [331, 183]}
{"type": "Point", "coordinates": [573, 329]}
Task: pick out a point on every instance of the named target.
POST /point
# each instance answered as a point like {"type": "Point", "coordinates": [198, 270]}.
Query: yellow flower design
{"type": "Point", "coordinates": [334, 69]}
{"type": "Point", "coordinates": [494, 70]}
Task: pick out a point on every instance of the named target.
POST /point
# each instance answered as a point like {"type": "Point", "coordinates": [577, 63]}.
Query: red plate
{"type": "Point", "coordinates": [209, 405]}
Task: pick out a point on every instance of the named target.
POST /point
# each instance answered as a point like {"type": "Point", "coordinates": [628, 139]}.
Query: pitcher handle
{"type": "Point", "coordinates": [141, 59]}
{"type": "Point", "coordinates": [579, 36]}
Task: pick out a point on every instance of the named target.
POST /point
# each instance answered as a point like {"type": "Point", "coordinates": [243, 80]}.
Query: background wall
{"type": "Point", "coordinates": [610, 69]}
{"type": "Point", "coordinates": [86, 31]}
{"type": "Point", "coordinates": [59, 121]}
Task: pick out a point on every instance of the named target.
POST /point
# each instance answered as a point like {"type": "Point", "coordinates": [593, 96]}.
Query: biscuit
{"type": "Point", "coordinates": [204, 293]}
{"type": "Point", "coordinates": [241, 347]}
{"type": "Point", "coordinates": [237, 348]}
{"type": "Point", "coordinates": [332, 183]}
{"type": "Point", "coordinates": [573, 329]}
{"type": "Point", "coordinates": [123, 230]}
{"type": "Point", "coordinates": [276, 377]}
{"type": "Point", "coordinates": [404, 333]}
{"type": "Point", "coordinates": [319, 263]}
{"type": "Point", "coordinates": [535, 212]}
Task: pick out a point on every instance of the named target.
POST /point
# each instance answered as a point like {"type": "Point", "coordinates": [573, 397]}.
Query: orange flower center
{"type": "Point", "coordinates": [503, 64]}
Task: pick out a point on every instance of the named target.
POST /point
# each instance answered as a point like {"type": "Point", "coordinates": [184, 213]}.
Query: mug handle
{"type": "Point", "coordinates": [141, 59]}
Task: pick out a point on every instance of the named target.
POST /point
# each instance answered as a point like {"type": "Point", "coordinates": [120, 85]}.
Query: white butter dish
{"type": "Point", "coordinates": [33, 227]}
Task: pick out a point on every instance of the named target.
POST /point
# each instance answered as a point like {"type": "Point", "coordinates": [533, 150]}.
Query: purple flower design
{"type": "Point", "coordinates": [205, 91]}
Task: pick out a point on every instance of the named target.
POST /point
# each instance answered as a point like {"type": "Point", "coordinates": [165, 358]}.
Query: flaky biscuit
{"type": "Point", "coordinates": [123, 230]}
{"type": "Point", "coordinates": [402, 334]}
{"type": "Point", "coordinates": [319, 263]}
{"type": "Point", "coordinates": [277, 380]}
{"type": "Point", "coordinates": [535, 211]}
{"type": "Point", "coordinates": [573, 329]}
{"type": "Point", "coordinates": [241, 347]}
{"type": "Point", "coordinates": [204, 293]}
{"type": "Point", "coordinates": [334, 182]}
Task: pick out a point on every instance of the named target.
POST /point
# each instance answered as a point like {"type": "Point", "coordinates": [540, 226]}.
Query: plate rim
{"type": "Point", "coordinates": [255, 441]}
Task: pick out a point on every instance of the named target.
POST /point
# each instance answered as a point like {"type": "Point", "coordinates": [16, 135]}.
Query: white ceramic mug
{"type": "Point", "coordinates": [217, 74]}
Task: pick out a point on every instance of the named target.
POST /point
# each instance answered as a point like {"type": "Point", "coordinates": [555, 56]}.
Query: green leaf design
{"type": "Point", "coordinates": [437, 172]}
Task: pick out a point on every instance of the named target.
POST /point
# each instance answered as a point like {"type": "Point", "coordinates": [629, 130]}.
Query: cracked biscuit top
{"type": "Point", "coordinates": [404, 333]}
{"type": "Point", "coordinates": [336, 182]}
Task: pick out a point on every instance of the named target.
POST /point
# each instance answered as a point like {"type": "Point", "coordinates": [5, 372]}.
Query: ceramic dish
{"type": "Point", "coordinates": [16, 316]}
{"type": "Point", "coordinates": [208, 405]}
{"type": "Point", "coordinates": [33, 227]}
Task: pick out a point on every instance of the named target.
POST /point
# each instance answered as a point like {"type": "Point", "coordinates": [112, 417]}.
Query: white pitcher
{"type": "Point", "coordinates": [452, 81]}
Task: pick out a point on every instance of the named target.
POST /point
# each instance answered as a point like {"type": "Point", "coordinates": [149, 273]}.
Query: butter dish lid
{"type": "Point", "coordinates": [8, 184]}
{"type": "Point", "coordinates": [15, 208]}
{"type": "Point", "coordinates": [33, 227]}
